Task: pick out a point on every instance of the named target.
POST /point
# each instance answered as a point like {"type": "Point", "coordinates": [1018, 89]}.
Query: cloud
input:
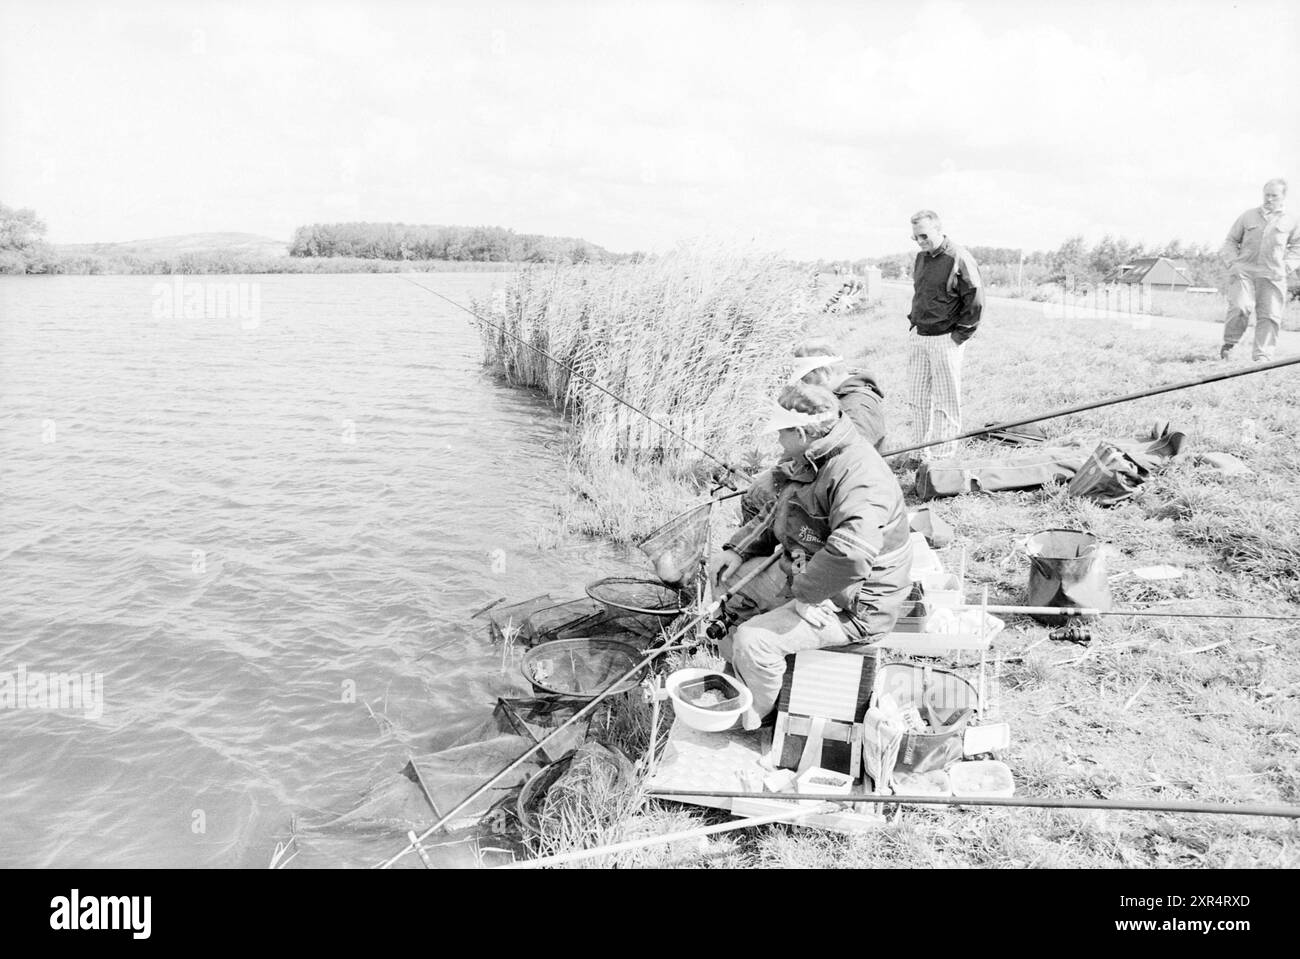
{"type": "Point", "coordinates": [820, 126]}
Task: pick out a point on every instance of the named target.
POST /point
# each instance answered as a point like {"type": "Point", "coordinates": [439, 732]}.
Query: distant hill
{"type": "Point", "coordinates": [166, 247]}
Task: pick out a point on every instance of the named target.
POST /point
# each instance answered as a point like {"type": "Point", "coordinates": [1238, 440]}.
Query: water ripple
{"type": "Point", "coordinates": [267, 541]}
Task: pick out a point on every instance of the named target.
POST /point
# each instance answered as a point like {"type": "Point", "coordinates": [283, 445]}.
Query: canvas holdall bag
{"type": "Point", "coordinates": [1067, 567]}
{"type": "Point", "coordinates": [1115, 470]}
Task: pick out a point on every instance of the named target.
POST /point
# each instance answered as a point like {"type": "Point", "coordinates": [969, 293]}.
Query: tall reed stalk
{"type": "Point", "coordinates": [699, 339]}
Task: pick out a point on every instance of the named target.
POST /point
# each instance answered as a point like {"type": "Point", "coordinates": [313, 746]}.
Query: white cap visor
{"type": "Point", "coordinates": [803, 365]}
{"type": "Point", "coordinates": [779, 418]}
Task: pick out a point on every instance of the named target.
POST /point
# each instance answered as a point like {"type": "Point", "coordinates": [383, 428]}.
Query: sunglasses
{"type": "Point", "coordinates": [920, 236]}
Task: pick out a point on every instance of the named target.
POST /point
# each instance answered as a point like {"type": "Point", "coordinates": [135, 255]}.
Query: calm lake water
{"type": "Point", "coordinates": [236, 520]}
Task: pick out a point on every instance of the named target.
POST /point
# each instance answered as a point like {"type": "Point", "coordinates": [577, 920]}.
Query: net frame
{"type": "Point", "coordinates": [598, 588]}
{"type": "Point", "coordinates": [576, 646]}
{"type": "Point", "coordinates": [686, 536]}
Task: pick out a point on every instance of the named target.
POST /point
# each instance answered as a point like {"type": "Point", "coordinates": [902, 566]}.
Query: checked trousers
{"type": "Point", "coordinates": [934, 391]}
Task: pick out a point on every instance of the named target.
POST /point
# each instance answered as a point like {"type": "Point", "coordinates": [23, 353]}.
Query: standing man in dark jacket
{"type": "Point", "coordinates": [847, 556]}
{"type": "Point", "coordinates": [947, 300]}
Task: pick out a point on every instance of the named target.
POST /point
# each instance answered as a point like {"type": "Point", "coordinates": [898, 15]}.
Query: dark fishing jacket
{"type": "Point", "coordinates": [863, 402]}
{"type": "Point", "coordinates": [948, 296]}
{"type": "Point", "coordinates": [838, 509]}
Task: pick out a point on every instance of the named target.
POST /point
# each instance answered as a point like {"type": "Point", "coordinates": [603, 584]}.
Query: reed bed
{"type": "Point", "coordinates": [699, 339]}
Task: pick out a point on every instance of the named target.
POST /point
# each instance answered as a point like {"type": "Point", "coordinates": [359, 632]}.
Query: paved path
{"type": "Point", "coordinates": [899, 296]}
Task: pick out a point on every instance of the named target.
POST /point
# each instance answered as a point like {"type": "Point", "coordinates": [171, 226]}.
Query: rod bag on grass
{"type": "Point", "coordinates": [1029, 434]}
{"type": "Point", "coordinates": [952, 477]}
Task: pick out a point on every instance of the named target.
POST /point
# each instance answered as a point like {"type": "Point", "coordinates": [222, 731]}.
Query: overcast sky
{"type": "Point", "coordinates": [817, 128]}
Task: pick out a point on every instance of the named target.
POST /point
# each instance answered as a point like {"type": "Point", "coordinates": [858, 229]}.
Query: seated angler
{"type": "Point", "coordinates": [860, 397]}
{"type": "Point", "coordinates": [845, 572]}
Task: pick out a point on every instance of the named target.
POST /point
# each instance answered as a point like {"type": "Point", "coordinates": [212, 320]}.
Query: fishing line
{"type": "Point", "coordinates": [731, 470]}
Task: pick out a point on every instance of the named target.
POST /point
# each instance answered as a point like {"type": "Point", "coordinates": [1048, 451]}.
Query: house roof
{"type": "Point", "coordinates": [1153, 269]}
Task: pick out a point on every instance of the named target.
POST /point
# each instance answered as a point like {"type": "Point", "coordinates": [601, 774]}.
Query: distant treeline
{"type": "Point", "coordinates": [220, 262]}
{"type": "Point", "coordinates": [320, 248]}
{"type": "Point", "coordinates": [401, 241]}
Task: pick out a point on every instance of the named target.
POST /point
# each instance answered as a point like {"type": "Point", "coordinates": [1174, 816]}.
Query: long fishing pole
{"type": "Point", "coordinates": [731, 470]}
{"type": "Point", "coordinates": [1090, 611]}
{"type": "Point", "coordinates": [1031, 802]}
{"type": "Point", "coordinates": [1083, 407]}
{"type": "Point", "coordinates": [628, 845]}
{"type": "Point", "coordinates": [607, 691]}
{"type": "Point", "coordinates": [827, 802]}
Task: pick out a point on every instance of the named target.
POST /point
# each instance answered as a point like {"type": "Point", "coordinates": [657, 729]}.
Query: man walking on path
{"type": "Point", "coordinates": [947, 301]}
{"type": "Point", "coordinates": [1261, 246]}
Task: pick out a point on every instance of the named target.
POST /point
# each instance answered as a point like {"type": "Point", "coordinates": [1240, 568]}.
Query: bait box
{"type": "Point", "coordinates": [981, 779]}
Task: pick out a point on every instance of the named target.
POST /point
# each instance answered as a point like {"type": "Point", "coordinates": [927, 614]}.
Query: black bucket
{"type": "Point", "coordinates": [1067, 567]}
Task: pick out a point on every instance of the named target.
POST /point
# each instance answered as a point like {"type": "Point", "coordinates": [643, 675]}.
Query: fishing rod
{"type": "Point", "coordinates": [1084, 407]}
{"type": "Point", "coordinates": [628, 845]}
{"type": "Point", "coordinates": [604, 693]}
{"type": "Point", "coordinates": [816, 803]}
{"type": "Point", "coordinates": [1030, 802]}
{"type": "Point", "coordinates": [1091, 611]}
{"type": "Point", "coordinates": [731, 470]}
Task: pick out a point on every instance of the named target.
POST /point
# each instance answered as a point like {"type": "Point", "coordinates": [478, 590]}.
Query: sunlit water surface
{"type": "Point", "coordinates": [253, 528]}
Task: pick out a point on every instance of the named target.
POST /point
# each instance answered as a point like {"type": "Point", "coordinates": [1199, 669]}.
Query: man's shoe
{"type": "Point", "coordinates": [1224, 350]}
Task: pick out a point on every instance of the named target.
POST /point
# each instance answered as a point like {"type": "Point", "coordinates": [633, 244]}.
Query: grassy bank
{"type": "Point", "coordinates": [1178, 709]}
{"type": "Point", "coordinates": [1206, 307]}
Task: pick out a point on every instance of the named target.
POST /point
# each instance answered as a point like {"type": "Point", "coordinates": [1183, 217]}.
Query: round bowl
{"type": "Point", "coordinates": [707, 720]}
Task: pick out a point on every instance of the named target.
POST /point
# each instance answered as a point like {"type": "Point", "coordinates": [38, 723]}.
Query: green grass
{"type": "Point", "coordinates": [1210, 307]}
{"type": "Point", "coordinates": [1180, 709]}
{"type": "Point", "coordinates": [1205, 307]}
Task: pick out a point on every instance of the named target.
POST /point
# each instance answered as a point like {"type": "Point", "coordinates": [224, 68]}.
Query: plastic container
{"type": "Point", "coordinates": [981, 779]}
{"type": "Point", "coordinates": [915, 613]}
{"type": "Point", "coordinates": [818, 780]}
{"type": "Point", "coordinates": [706, 699]}
{"type": "Point", "coordinates": [934, 783]}
{"type": "Point", "coordinates": [926, 567]}
{"type": "Point", "coordinates": [986, 739]}
{"type": "Point", "coordinates": [946, 592]}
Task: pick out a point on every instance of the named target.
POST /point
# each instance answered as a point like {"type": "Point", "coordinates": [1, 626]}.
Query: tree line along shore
{"type": "Point", "coordinates": [318, 248]}
{"type": "Point", "coordinates": [361, 247]}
